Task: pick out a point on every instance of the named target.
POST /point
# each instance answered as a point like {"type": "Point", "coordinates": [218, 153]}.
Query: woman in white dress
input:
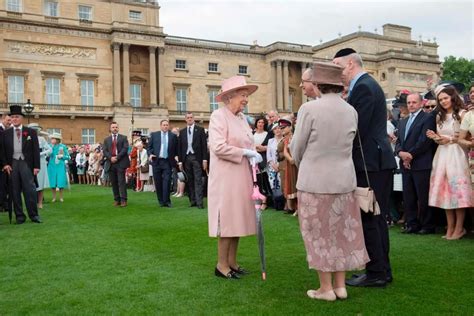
{"type": "Point", "coordinates": [81, 161]}
{"type": "Point", "coordinates": [143, 167]}
{"type": "Point", "coordinates": [45, 152]}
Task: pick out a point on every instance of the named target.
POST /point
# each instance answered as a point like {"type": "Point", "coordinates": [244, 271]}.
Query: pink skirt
{"type": "Point", "coordinates": [331, 227]}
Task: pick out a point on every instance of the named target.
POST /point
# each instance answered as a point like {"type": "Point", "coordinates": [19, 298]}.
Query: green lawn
{"type": "Point", "coordinates": [89, 257]}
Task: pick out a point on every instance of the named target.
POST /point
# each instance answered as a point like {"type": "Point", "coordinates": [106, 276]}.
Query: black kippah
{"type": "Point", "coordinates": [344, 52]}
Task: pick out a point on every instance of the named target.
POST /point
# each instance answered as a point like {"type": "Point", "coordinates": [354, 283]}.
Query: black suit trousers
{"type": "Point", "coordinates": [119, 186]}
{"type": "Point", "coordinates": [416, 186]}
{"type": "Point", "coordinates": [23, 180]}
{"type": "Point", "coordinates": [194, 184]}
{"type": "Point", "coordinates": [162, 179]}
{"type": "Point", "coordinates": [375, 227]}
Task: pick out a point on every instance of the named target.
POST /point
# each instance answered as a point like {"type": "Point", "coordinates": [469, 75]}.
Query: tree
{"type": "Point", "coordinates": [460, 70]}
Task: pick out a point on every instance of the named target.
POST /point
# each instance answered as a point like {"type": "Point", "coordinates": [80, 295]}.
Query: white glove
{"type": "Point", "coordinates": [255, 160]}
{"type": "Point", "coordinates": [250, 153]}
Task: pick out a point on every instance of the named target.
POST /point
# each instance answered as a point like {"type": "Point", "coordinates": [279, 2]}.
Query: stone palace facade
{"type": "Point", "coordinates": [86, 63]}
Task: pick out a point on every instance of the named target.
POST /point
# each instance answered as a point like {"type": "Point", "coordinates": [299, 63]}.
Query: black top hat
{"type": "Point", "coordinates": [15, 110]}
{"type": "Point", "coordinates": [137, 133]}
{"type": "Point", "coordinates": [344, 52]}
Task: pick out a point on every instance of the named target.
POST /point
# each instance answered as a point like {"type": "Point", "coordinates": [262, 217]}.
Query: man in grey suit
{"type": "Point", "coordinates": [116, 154]}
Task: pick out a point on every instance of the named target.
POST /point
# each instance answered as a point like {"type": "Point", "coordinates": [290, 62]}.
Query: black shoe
{"type": "Point", "coordinates": [192, 205]}
{"type": "Point", "coordinates": [426, 231]}
{"type": "Point", "coordinates": [389, 279]}
{"type": "Point", "coordinates": [363, 281]}
{"type": "Point", "coordinates": [200, 206]}
{"type": "Point", "coordinates": [36, 219]}
{"type": "Point", "coordinates": [20, 222]}
{"type": "Point", "coordinates": [230, 275]}
{"type": "Point", "coordinates": [410, 230]}
{"type": "Point", "coordinates": [167, 205]}
{"type": "Point", "coordinates": [240, 271]}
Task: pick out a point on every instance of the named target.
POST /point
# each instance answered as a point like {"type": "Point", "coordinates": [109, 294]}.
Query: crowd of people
{"type": "Point", "coordinates": [310, 164]}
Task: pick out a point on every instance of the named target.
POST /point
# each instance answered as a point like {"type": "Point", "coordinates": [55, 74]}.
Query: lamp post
{"type": "Point", "coordinates": [28, 107]}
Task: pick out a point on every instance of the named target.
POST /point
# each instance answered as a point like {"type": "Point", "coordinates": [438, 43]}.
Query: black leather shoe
{"type": "Point", "coordinates": [363, 281]}
{"type": "Point", "coordinates": [36, 219]}
{"type": "Point", "coordinates": [192, 205]}
{"type": "Point", "coordinates": [200, 206]}
{"type": "Point", "coordinates": [20, 222]}
{"type": "Point", "coordinates": [426, 231]}
{"type": "Point", "coordinates": [389, 279]}
{"type": "Point", "coordinates": [240, 271]}
{"type": "Point", "coordinates": [410, 230]}
{"type": "Point", "coordinates": [230, 275]}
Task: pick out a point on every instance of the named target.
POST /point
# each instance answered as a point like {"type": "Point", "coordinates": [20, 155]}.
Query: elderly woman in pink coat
{"type": "Point", "coordinates": [230, 207]}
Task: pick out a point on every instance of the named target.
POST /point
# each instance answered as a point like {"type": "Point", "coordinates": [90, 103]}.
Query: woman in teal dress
{"type": "Point", "coordinates": [57, 166]}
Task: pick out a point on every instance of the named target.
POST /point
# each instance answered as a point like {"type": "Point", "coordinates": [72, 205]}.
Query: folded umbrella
{"type": "Point", "coordinates": [258, 198]}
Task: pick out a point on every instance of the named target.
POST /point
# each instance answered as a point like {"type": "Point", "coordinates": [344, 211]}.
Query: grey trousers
{"type": "Point", "coordinates": [23, 180]}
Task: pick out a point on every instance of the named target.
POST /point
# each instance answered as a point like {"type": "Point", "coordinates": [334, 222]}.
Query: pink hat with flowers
{"type": "Point", "coordinates": [233, 84]}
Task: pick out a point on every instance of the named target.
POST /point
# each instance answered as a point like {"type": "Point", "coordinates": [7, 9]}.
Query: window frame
{"type": "Point", "coordinates": [10, 93]}
{"type": "Point", "coordinates": [213, 70]}
{"type": "Point", "coordinates": [140, 13]}
{"type": "Point", "coordinates": [19, 5]}
{"type": "Point", "coordinates": [90, 12]}
{"type": "Point", "coordinates": [185, 66]}
{"type": "Point", "coordinates": [181, 105]}
{"type": "Point", "coordinates": [133, 97]}
{"type": "Point", "coordinates": [47, 8]}
{"type": "Point", "coordinates": [88, 136]}
{"type": "Point", "coordinates": [246, 70]}
{"type": "Point", "coordinates": [90, 84]}
{"type": "Point", "coordinates": [213, 104]}
{"type": "Point", "coordinates": [48, 94]}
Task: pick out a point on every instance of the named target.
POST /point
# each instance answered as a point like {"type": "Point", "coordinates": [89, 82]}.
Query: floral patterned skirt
{"type": "Point", "coordinates": [331, 227]}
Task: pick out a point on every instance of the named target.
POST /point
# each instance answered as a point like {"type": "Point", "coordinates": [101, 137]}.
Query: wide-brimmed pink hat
{"type": "Point", "coordinates": [235, 83]}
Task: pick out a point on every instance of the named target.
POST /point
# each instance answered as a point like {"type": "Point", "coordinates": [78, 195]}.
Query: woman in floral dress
{"type": "Point", "coordinates": [450, 183]}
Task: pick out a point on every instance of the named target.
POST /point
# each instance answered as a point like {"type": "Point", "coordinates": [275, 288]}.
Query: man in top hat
{"type": "Point", "coordinates": [5, 202]}
{"type": "Point", "coordinates": [368, 99]}
{"type": "Point", "coordinates": [116, 154]}
{"type": "Point", "coordinates": [192, 153]}
{"type": "Point", "coordinates": [133, 170]}
{"type": "Point", "coordinates": [21, 161]}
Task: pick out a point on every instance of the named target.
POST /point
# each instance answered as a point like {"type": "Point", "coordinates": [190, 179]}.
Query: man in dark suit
{"type": "Point", "coordinates": [416, 157]}
{"type": "Point", "coordinates": [163, 156]}
{"type": "Point", "coordinates": [368, 99]}
{"type": "Point", "coordinates": [21, 161]}
{"type": "Point", "coordinates": [192, 153]}
{"type": "Point", "coordinates": [5, 201]}
{"type": "Point", "coordinates": [116, 154]}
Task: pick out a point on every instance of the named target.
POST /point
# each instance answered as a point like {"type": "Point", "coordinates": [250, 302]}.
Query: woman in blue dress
{"type": "Point", "coordinates": [57, 166]}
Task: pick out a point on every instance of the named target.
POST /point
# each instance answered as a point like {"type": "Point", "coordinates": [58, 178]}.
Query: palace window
{"type": "Point", "coordinates": [53, 91]}
{"type": "Point", "coordinates": [88, 136]}
{"type": "Point", "coordinates": [14, 5]}
{"type": "Point", "coordinates": [213, 67]}
{"type": "Point", "coordinates": [85, 13]}
{"type": "Point", "coordinates": [213, 104]}
{"type": "Point", "coordinates": [51, 8]}
{"type": "Point", "coordinates": [135, 15]}
{"type": "Point", "coordinates": [16, 89]}
{"type": "Point", "coordinates": [136, 95]}
{"type": "Point", "coordinates": [54, 130]}
{"type": "Point", "coordinates": [181, 99]}
{"type": "Point", "coordinates": [243, 70]}
{"type": "Point", "coordinates": [180, 64]}
{"type": "Point", "coordinates": [87, 92]}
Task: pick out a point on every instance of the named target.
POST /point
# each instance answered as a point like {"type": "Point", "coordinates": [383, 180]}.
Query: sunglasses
{"type": "Point", "coordinates": [429, 107]}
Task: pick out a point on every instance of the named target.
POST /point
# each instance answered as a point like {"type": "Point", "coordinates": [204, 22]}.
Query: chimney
{"type": "Point", "coordinates": [397, 31]}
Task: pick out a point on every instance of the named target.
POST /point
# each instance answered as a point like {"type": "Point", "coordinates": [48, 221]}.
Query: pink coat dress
{"type": "Point", "coordinates": [231, 210]}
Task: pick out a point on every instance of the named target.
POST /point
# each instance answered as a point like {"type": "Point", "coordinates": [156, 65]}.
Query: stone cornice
{"type": "Point", "coordinates": [73, 30]}
{"type": "Point", "coordinates": [153, 4]}
{"type": "Point", "coordinates": [368, 35]}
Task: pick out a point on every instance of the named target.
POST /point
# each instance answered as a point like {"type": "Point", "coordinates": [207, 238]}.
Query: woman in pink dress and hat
{"type": "Point", "coordinates": [231, 210]}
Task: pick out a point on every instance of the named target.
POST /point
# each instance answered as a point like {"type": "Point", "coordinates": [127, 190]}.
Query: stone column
{"type": "Point", "coordinates": [279, 86]}
{"type": "Point", "coordinates": [116, 73]}
{"type": "Point", "coordinates": [161, 76]}
{"type": "Point", "coordinates": [126, 74]}
{"type": "Point", "coordinates": [304, 99]}
{"type": "Point", "coordinates": [286, 87]}
{"type": "Point", "coordinates": [152, 50]}
{"type": "Point", "coordinates": [273, 84]}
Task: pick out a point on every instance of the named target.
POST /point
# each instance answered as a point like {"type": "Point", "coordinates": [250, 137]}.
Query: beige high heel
{"type": "Point", "coordinates": [341, 293]}
{"type": "Point", "coordinates": [326, 296]}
